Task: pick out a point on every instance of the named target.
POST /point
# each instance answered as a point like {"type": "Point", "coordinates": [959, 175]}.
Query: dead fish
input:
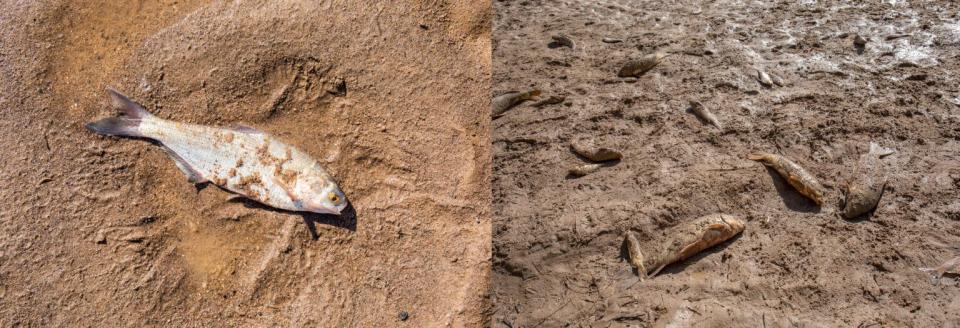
{"type": "Point", "coordinates": [764, 78]}
{"type": "Point", "coordinates": [951, 266]}
{"type": "Point", "coordinates": [562, 40]}
{"type": "Point", "coordinates": [589, 150]}
{"type": "Point", "coordinates": [686, 241]}
{"type": "Point", "coordinates": [867, 183]}
{"type": "Point", "coordinates": [859, 41]}
{"type": "Point", "coordinates": [776, 80]}
{"type": "Point", "coordinates": [242, 160]}
{"type": "Point", "coordinates": [611, 40]}
{"type": "Point", "coordinates": [636, 68]}
{"type": "Point", "coordinates": [799, 178]}
{"type": "Point", "coordinates": [583, 169]}
{"type": "Point", "coordinates": [704, 114]}
{"type": "Point", "coordinates": [504, 102]}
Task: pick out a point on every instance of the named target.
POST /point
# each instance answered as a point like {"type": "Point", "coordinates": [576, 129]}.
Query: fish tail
{"type": "Point", "coordinates": [116, 126]}
{"type": "Point", "coordinates": [129, 107]}
{"type": "Point", "coordinates": [126, 125]}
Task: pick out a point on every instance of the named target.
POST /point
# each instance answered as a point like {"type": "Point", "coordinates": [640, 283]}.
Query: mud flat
{"type": "Point", "coordinates": [558, 257]}
{"type": "Point", "coordinates": [96, 229]}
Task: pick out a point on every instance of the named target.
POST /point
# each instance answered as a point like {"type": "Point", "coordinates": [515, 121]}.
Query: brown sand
{"type": "Point", "coordinates": [105, 230]}
{"type": "Point", "coordinates": [557, 241]}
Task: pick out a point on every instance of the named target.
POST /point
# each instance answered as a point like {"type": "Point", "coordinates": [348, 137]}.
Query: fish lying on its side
{"type": "Point", "coordinates": [795, 175]}
{"type": "Point", "coordinates": [687, 240]}
{"type": "Point", "coordinates": [504, 102]}
{"type": "Point", "coordinates": [864, 190]}
{"type": "Point", "coordinates": [242, 160]}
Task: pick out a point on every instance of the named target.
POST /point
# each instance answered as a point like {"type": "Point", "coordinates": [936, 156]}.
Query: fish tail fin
{"type": "Point", "coordinates": [129, 107]}
{"type": "Point", "coordinates": [757, 157]}
{"type": "Point", "coordinates": [116, 126]}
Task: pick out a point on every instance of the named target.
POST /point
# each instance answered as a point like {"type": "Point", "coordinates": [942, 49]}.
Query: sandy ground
{"type": "Point", "coordinates": [392, 98]}
{"type": "Point", "coordinates": [557, 241]}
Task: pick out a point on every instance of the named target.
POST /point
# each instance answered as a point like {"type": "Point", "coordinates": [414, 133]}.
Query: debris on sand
{"type": "Point", "coordinates": [866, 184]}
{"type": "Point", "coordinates": [583, 169]}
{"type": "Point", "coordinates": [795, 175]}
{"type": "Point", "coordinates": [504, 102]}
{"type": "Point", "coordinates": [951, 266]}
{"type": "Point", "coordinates": [686, 241]}
{"type": "Point", "coordinates": [561, 40]}
{"type": "Point", "coordinates": [704, 114]}
{"type": "Point", "coordinates": [764, 78]}
{"type": "Point", "coordinates": [636, 68]}
{"type": "Point", "coordinates": [590, 150]}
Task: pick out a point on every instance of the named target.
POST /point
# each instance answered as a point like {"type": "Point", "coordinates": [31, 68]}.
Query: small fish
{"type": "Point", "coordinates": [636, 68]}
{"type": "Point", "coordinates": [611, 40]}
{"type": "Point", "coordinates": [562, 40]}
{"type": "Point", "coordinates": [504, 102]}
{"type": "Point", "coordinates": [583, 169]}
{"type": "Point", "coordinates": [859, 41]}
{"type": "Point", "coordinates": [242, 160]}
{"type": "Point", "coordinates": [687, 240]}
{"type": "Point", "coordinates": [951, 266]}
{"type": "Point", "coordinates": [799, 178]}
{"type": "Point", "coordinates": [867, 182]}
{"type": "Point", "coordinates": [589, 150]}
{"type": "Point", "coordinates": [764, 78]}
{"type": "Point", "coordinates": [777, 80]}
{"type": "Point", "coordinates": [704, 114]}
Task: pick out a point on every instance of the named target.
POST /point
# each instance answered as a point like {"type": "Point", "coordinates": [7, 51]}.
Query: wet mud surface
{"type": "Point", "coordinates": [386, 96]}
{"type": "Point", "coordinates": [558, 255]}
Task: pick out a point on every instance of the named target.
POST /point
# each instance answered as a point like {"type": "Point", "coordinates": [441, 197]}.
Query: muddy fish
{"type": "Point", "coordinates": [795, 175]}
{"type": "Point", "coordinates": [687, 240]}
{"type": "Point", "coordinates": [866, 186]}
{"type": "Point", "coordinates": [704, 114]}
{"type": "Point", "coordinates": [504, 102]}
{"type": "Point", "coordinates": [590, 150]}
{"type": "Point", "coordinates": [583, 169]}
{"type": "Point", "coordinates": [242, 160]}
{"type": "Point", "coordinates": [636, 68]}
{"type": "Point", "coordinates": [951, 266]}
{"type": "Point", "coordinates": [764, 78]}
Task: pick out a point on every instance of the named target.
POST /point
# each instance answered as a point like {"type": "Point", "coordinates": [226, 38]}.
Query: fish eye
{"type": "Point", "coordinates": [333, 197]}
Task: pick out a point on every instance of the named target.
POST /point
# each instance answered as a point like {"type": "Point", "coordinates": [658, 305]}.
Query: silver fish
{"type": "Point", "coordinates": [704, 114]}
{"type": "Point", "coordinates": [866, 186]}
{"type": "Point", "coordinates": [242, 160]}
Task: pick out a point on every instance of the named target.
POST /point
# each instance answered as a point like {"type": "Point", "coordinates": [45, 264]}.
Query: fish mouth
{"type": "Point", "coordinates": [323, 209]}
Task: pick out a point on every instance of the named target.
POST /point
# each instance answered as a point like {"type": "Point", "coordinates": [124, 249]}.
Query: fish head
{"type": "Point", "coordinates": [323, 196]}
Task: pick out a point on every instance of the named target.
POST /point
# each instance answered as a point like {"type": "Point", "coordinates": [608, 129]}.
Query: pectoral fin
{"type": "Point", "coordinates": [192, 175]}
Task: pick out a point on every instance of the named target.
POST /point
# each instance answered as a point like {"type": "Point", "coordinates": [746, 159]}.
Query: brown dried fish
{"type": "Point", "coordinates": [636, 68]}
{"type": "Point", "coordinates": [795, 175]}
{"type": "Point", "coordinates": [951, 266]}
{"type": "Point", "coordinates": [687, 240]}
{"type": "Point", "coordinates": [704, 114]}
{"type": "Point", "coordinates": [504, 102]}
{"type": "Point", "coordinates": [563, 40]}
{"type": "Point", "coordinates": [590, 150]}
{"type": "Point", "coordinates": [866, 186]}
{"type": "Point", "coordinates": [584, 169]}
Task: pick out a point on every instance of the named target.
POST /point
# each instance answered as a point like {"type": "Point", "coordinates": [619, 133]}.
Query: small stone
{"type": "Point", "coordinates": [403, 316]}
